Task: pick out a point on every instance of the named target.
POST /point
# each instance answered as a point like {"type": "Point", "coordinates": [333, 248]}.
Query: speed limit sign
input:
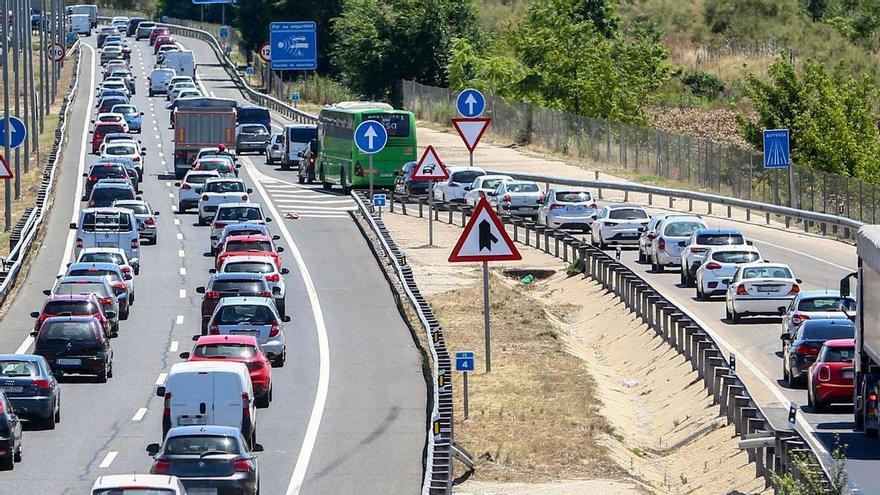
{"type": "Point", "coordinates": [56, 52]}
{"type": "Point", "coordinates": [266, 52]}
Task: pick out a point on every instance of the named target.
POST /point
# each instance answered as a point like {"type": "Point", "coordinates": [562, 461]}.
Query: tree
{"type": "Point", "coordinates": [322, 12]}
{"type": "Point", "coordinates": [252, 20]}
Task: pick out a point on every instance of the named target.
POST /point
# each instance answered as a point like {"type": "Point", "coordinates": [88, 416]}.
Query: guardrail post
{"type": "Point", "coordinates": [748, 215]}
{"type": "Point", "coordinates": [739, 401]}
{"type": "Point", "coordinates": [670, 202]}
{"type": "Point", "coordinates": [557, 236]}
{"type": "Point", "coordinates": [746, 414]}
{"type": "Point", "coordinates": [652, 310]}
{"type": "Point", "coordinates": [650, 199]}
{"type": "Point", "coordinates": [767, 216]}
{"type": "Point", "coordinates": [728, 211]}
{"type": "Point", "coordinates": [700, 356]}
{"type": "Point", "coordinates": [712, 360]}
{"type": "Point", "coordinates": [451, 209]}
{"type": "Point", "coordinates": [464, 214]}
{"type": "Point", "coordinates": [727, 380]}
{"type": "Point", "coordinates": [709, 205]}
{"type": "Point", "coordinates": [421, 206]}
{"type": "Point", "coordinates": [787, 221]}
{"type": "Point", "coordinates": [690, 204]}
{"type": "Point", "coordinates": [719, 373]}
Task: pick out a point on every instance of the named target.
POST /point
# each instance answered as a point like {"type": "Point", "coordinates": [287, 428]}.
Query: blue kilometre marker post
{"type": "Point", "coordinates": [464, 362]}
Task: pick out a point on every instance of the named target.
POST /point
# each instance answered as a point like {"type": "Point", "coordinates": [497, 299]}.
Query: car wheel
{"type": "Point", "coordinates": [49, 422]}
{"type": "Point", "coordinates": [301, 179]}
{"type": "Point", "coordinates": [123, 315]}
{"type": "Point", "coordinates": [658, 268]}
{"type": "Point", "coordinates": [17, 456]}
{"type": "Point", "coordinates": [602, 244]}
{"type": "Point", "coordinates": [103, 375]}
{"type": "Point", "coordinates": [7, 463]}
{"type": "Point", "coordinates": [734, 316]}
{"type": "Point", "coordinates": [786, 377]}
{"type": "Point", "coordinates": [727, 314]}
{"type": "Point", "coordinates": [641, 256]}
{"type": "Point", "coordinates": [131, 299]}
{"type": "Point", "coordinates": [180, 207]}
{"type": "Point", "coordinates": [58, 414]}
{"type": "Point", "coordinates": [682, 280]}
{"type": "Point", "coordinates": [202, 221]}
{"type": "Point", "coordinates": [278, 362]}
{"type": "Point", "coordinates": [284, 166]}
{"type": "Point", "coordinates": [282, 307]}
{"type": "Point", "coordinates": [263, 402]}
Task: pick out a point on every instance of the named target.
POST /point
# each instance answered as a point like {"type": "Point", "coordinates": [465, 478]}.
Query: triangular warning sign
{"type": "Point", "coordinates": [430, 167]}
{"type": "Point", "coordinates": [484, 238]}
{"type": "Point", "coordinates": [5, 171]}
{"type": "Point", "coordinates": [471, 130]}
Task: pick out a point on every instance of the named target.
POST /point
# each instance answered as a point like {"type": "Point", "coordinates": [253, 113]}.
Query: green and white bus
{"type": "Point", "coordinates": [339, 160]}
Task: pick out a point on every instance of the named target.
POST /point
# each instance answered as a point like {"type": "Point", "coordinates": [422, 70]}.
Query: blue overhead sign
{"type": "Point", "coordinates": [293, 45]}
{"type": "Point", "coordinates": [18, 131]}
{"type": "Point", "coordinates": [464, 361]}
{"type": "Point", "coordinates": [370, 137]}
{"type": "Point", "coordinates": [777, 151]}
{"type": "Point", "coordinates": [470, 103]}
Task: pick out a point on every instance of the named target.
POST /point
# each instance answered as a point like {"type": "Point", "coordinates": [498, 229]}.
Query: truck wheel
{"type": "Point", "coordinates": [180, 207]}
{"type": "Point", "coordinates": [300, 179]}
{"type": "Point", "coordinates": [285, 166]}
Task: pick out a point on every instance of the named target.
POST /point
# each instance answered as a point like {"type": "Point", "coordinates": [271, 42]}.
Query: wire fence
{"type": "Point", "coordinates": [648, 153]}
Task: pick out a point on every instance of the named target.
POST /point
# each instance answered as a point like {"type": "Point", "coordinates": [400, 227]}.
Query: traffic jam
{"type": "Point", "coordinates": [211, 396]}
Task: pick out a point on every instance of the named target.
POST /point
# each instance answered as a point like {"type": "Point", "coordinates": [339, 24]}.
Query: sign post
{"type": "Point", "coordinates": [484, 239]}
{"type": "Point", "coordinates": [464, 362]}
{"type": "Point", "coordinates": [470, 104]}
{"type": "Point", "coordinates": [430, 168]}
{"type": "Point", "coordinates": [777, 154]}
{"type": "Point", "coordinates": [379, 200]}
{"type": "Point", "coordinates": [370, 137]}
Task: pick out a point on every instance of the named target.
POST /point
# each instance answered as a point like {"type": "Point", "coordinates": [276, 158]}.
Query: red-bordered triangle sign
{"type": "Point", "coordinates": [471, 130]}
{"type": "Point", "coordinates": [5, 171]}
{"type": "Point", "coordinates": [430, 167]}
{"type": "Point", "coordinates": [484, 238]}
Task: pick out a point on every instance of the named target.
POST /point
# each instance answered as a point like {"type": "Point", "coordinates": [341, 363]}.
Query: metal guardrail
{"type": "Point", "coordinates": [438, 462]}
{"type": "Point", "coordinates": [844, 226]}
{"type": "Point", "coordinates": [29, 224]}
{"type": "Point", "coordinates": [675, 325]}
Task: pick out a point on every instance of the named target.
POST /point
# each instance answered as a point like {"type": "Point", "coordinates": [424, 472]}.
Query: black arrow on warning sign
{"type": "Point", "coordinates": [487, 238]}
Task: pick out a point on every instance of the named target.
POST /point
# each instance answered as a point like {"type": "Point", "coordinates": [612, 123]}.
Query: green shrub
{"type": "Point", "coordinates": [703, 84]}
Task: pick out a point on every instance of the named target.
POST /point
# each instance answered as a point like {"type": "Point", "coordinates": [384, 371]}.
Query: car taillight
{"type": "Point", "coordinates": [181, 155]}
{"type": "Point", "coordinates": [593, 206]}
{"type": "Point", "coordinates": [274, 277]}
{"type": "Point", "coordinates": [185, 186]}
{"type": "Point", "coordinates": [611, 224]}
{"type": "Point", "coordinates": [254, 365]}
{"type": "Point", "coordinates": [553, 206]}
{"type": "Point", "coordinates": [150, 222]}
{"type": "Point", "coordinates": [218, 225]}
{"type": "Point", "coordinates": [244, 197]}
{"type": "Point", "coordinates": [135, 243]}
{"type": "Point", "coordinates": [795, 288]}
{"type": "Point", "coordinates": [823, 373]}
{"type": "Point", "coordinates": [42, 384]}
{"type": "Point", "coordinates": [698, 250]}
{"type": "Point", "coordinates": [241, 465]}
{"type": "Point", "coordinates": [651, 235]}
{"type": "Point", "coordinates": [137, 158]}
{"type": "Point", "coordinates": [212, 294]}
{"type": "Point", "coordinates": [541, 198]}
{"type": "Point", "coordinates": [806, 349]}
{"type": "Point", "coordinates": [661, 244]}
{"type": "Point", "coordinates": [79, 243]}
{"type": "Point", "coordinates": [92, 178]}
{"type": "Point", "coordinates": [91, 203]}
{"type": "Point", "coordinates": [119, 285]}
{"type": "Point", "coordinates": [798, 318]}
{"type": "Point", "coordinates": [276, 328]}
{"type": "Point", "coordinates": [160, 466]}
{"type": "Point", "coordinates": [713, 266]}
{"type": "Point", "coordinates": [126, 269]}
{"type": "Point", "coordinates": [311, 160]}
{"type": "Point", "coordinates": [214, 330]}
{"type": "Point", "coordinates": [871, 404]}
{"type": "Point", "coordinates": [106, 300]}
{"type": "Point", "coordinates": [506, 198]}
{"type": "Point", "coordinates": [167, 407]}
{"type": "Point", "coordinates": [204, 197]}
{"type": "Point", "coordinates": [741, 290]}
{"type": "Point", "coordinates": [245, 405]}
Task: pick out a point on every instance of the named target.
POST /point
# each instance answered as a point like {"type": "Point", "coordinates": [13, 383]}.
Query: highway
{"type": "Point", "coordinates": [349, 409]}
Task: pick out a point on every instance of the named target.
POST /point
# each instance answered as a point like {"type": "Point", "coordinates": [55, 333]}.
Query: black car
{"type": "Point", "coordinates": [31, 387]}
{"type": "Point", "coordinates": [404, 183]}
{"type": "Point", "coordinates": [75, 344]}
{"type": "Point", "coordinates": [10, 434]}
{"type": "Point", "coordinates": [132, 25]}
{"type": "Point", "coordinates": [105, 192]}
{"type": "Point", "coordinates": [100, 171]}
{"type": "Point", "coordinates": [799, 351]}
{"type": "Point", "coordinates": [230, 285]}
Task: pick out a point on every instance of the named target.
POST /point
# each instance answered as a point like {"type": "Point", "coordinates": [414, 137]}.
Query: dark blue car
{"type": "Point", "coordinates": [799, 349]}
{"type": "Point", "coordinates": [29, 384]}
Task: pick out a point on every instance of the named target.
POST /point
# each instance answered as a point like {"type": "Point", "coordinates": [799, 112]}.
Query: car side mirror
{"type": "Point", "coordinates": [257, 447]}
{"type": "Point", "coordinates": [285, 271]}
{"type": "Point", "coordinates": [785, 337]}
{"type": "Point", "coordinates": [91, 132]}
{"type": "Point", "coordinates": [156, 213]}
{"type": "Point", "coordinates": [138, 198]}
{"type": "Point", "coordinates": [160, 391]}
{"type": "Point", "coordinates": [798, 280]}
{"type": "Point", "coordinates": [280, 249]}
{"type": "Point", "coordinates": [154, 448]}
{"type": "Point", "coordinates": [85, 174]}
{"type": "Point", "coordinates": [142, 114]}
{"type": "Point", "coordinates": [750, 243]}
{"type": "Point", "coordinates": [781, 310]}
{"type": "Point", "coordinates": [212, 270]}
{"type": "Point", "coordinates": [237, 165]}
{"type": "Point", "coordinates": [110, 314]}
{"type": "Point", "coordinates": [127, 276]}
{"type": "Point", "coordinates": [92, 121]}
{"type": "Point", "coordinates": [642, 229]}
{"type": "Point", "coordinates": [184, 355]}
{"type": "Point", "coordinates": [34, 333]}
{"type": "Point", "coordinates": [285, 319]}
{"type": "Point", "coordinates": [249, 191]}
{"type": "Point", "coordinates": [276, 290]}
{"type": "Point", "coordinates": [725, 281]}
{"type": "Point", "coordinates": [844, 286]}
{"type": "Point", "coordinates": [47, 292]}
{"type": "Point", "coordinates": [214, 237]}
{"type": "Point", "coordinates": [268, 219]}
{"type": "Point", "coordinates": [682, 244]}
{"type": "Point", "coordinates": [35, 314]}
{"type": "Point", "coordinates": [276, 237]}
{"type": "Point", "coordinates": [200, 290]}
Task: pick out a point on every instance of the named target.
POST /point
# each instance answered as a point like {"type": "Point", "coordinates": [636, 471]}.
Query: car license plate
{"type": "Point", "coordinates": [69, 362]}
{"type": "Point", "coordinates": [247, 333]}
{"type": "Point", "coordinates": [14, 390]}
{"type": "Point", "coordinates": [189, 421]}
{"type": "Point", "coordinates": [201, 491]}
{"type": "Point", "coordinates": [766, 289]}
{"type": "Point", "coordinates": [106, 244]}
{"type": "Point", "coordinates": [573, 209]}
{"type": "Point", "coordinates": [847, 375]}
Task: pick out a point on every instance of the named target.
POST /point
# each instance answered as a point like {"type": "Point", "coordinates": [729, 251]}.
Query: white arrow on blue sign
{"type": "Point", "coordinates": [464, 361]}
{"type": "Point", "coordinates": [294, 96]}
{"type": "Point", "coordinates": [777, 153]}
{"type": "Point", "coordinates": [370, 137]}
{"type": "Point", "coordinates": [19, 132]}
{"type": "Point", "coordinates": [470, 103]}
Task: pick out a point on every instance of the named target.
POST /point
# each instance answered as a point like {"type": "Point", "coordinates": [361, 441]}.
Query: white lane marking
{"type": "Point", "coordinates": [108, 459]}
{"type": "Point", "coordinates": [161, 154]}
{"type": "Point", "coordinates": [179, 236]}
{"type": "Point", "coordinates": [174, 345]}
{"type": "Point", "coordinates": [161, 379]}
{"type": "Point", "coordinates": [800, 253]}
{"type": "Point", "coordinates": [163, 164]}
{"type": "Point", "coordinates": [182, 270]}
{"type": "Point", "coordinates": [182, 294]}
{"type": "Point", "coordinates": [176, 221]}
{"type": "Point", "coordinates": [179, 320]}
{"type": "Point", "coordinates": [168, 183]}
{"type": "Point", "coordinates": [181, 253]}
{"type": "Point", "coordinates": [317, 209]}
{"type": "Point", "coordinates": [322, 215]}
{"type": "Point", "coordinates": [311, 435]}
{"type": "Point", "coordinates": [139, 415]}
{"type": "Point", "coordinates": [276, 126]}
{"type": "Point", "coordinates": [171, 195]}
{"type": "Point", "coordinates": [313, 201]}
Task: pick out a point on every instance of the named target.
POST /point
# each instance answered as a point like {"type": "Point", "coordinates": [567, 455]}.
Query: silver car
{"type": "Point", "coordinates": [275, 148]}
{"type": "Point", "coordinates": [666, 246]}
{"type": "Point", "coordinates": [568, 208]}
{"type": "Point", "coordinates": [265, 267]}
{"type": "Point", "coordinates": [254, 316]}
{"type": "Point", "coordinates": [251, 137]}
{"type": "Point", "coordinates": [519, 197]}
{"type": "Point", "coordinates": [146, 218]}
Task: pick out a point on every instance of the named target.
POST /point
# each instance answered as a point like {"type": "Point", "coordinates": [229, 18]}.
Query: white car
{"type": "Point", "coordinates": [190, 188]}
{"type": "Point", "coordinates": [218, 191]}
{"type": "Point", "coordinates": [669, 233]}
{"type": "Point", "coordinates": [760, 289]}
{"type": "Point", "coordinates": [115, 83]}
{"type": "Point", "coordinates": [138, 483]}
{"type": "Point", "coordinates": [264, 266]}
{"type": "Point", "coordinates": [568, 208]}
{"type": "Point", "coordinates": [519, 197]}
{"type": "Point", "coordinates": [108, 255]}
{"type": "Point", "coordinates": [157, 82]}
{"type": "Point", "coordinates": [275, 148]}
{"type": "Point", "coordinates": [484, 186]}
{"type": "Point", "coordinates": [618, 224]}
{"type": "Point", "coordinates": [695, 249]}
{"type": "Point", "coordinates": [253, 316]}
{"type": "Point", "coordinates": [174, 89]}
{"type": "Point", "coordinates": [126, 149]}
{"type": "Point", "coordinates": [236, 213]}
{"type": "Point", "coordinates": [718, 268]}
{"type": "Point", "coordinates": [457, 185]}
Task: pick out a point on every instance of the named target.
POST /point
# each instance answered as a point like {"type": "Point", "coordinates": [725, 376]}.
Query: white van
{"type": "Point", "coordinates": [89, 10]}
{"type": "Point", "coordinates": [157, 82]}
{"type": "Point", "coordinates": [108, 227]}
{"type": "Point", "coordinates": [209, 393]}
{"type": "Point", "coordinates": [183, 62]}
{"type": "Point", "coordinates": [296, 139]}
{"type": "Point", "coordinates": [80, 24]}
{"type": "Point", "coordinates": [138, 483]}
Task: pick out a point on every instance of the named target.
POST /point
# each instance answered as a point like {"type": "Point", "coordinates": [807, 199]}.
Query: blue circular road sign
{"type": "Point", "coordinates": [470, 103]}
{"type": "Point", "coordinates": [18, 131]}
{"type": "Point", "coordinates": [370, 137]}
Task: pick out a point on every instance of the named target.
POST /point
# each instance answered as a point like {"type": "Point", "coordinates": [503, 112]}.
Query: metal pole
{"type": "Point", "coordinates": [44, 67]}
{"type": "Point", "coordinates": [371, 177]}
{"type": "Point", "coordinates": [222, 14]}
{"type": "Point", "coordinates": [7, 225]}
{"type": "Point", "coordinates": [16, 50]}
{"type": "Point", "coordinates": [52, 34]}
{"type": "Point", "coordinates": [467, 411]}
{"type": "Point", "coordinates": [28, 56]}
{"type": "Point", "coordinates": [791, 192]}
{"type": "Point", "coordinates": [471, 155]}
{"type": "Point", "coordinates": [430, 214]}
{"type": "Point", "coordinates": [32, 89]}
{"type": "Point", "coordinates": [486, 316]}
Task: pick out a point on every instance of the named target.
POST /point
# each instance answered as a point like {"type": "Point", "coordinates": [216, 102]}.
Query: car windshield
{"type": "Point", "coordinates": [466, 176]}
{"type": "Point", "coordinates": [720, 239]}
{"type": "Point", "coordinates": [253, 129]}
{"type": "Point", "coordinates": [573, 196]}
{"type": "Point", "coordinates": [224, 187]}
{"type": "Point", "coordinates": [196, 444]}
{"type": "Point", "coordinates": [240, 213]}
{"type": "Point", "coordinates": [522, 187]}
{"type": "Point", "coordinates": [198, 178]}
{"type": "Point", "coordinates": [240, 286]}
{"type": "Point", "coordinates": [137, 208]}
{"type": "Point", "coordinates": [67, 330]}
{"type": "Point", "coordinates": [126, 109]}
{"type": "Point", "coordinates": [11, 368]}
{"type": "Point", "coordinates": [836, 354]}
{"type": "Point", "coordinates": [248, 246]}
{"type": "Point", "coordinates": [91, 272]}
{"type": "Point", "coordinates": [96, 288]}
{"type": "Point", "coordinates": [828, 303]}
{"type": "Point", "coordinates": [113, 222]}
{"type": "Point", "coordinates": [491, 184]}
{"type": "Point", "coordinates": [766, 272]}
{"type": "Point", "coordinates": [824, 330]}
{"type": "Point", "coordinates": [102, 258]}
{"type": "Point", "coordinates": [243, 351]}
{"type": "Point", "coordinates": [245, 231]}
{"type": "Point", "coordinates": [105, 171]}
{"type": "Point", "coordinates": [218, 165]}
{"type": "Point", "coordinates": [108, 128]}
{"type": "Point", "coordinates": [120, 149]}
{"type": "Point", "coordinates": [105, 196]}
{"type": "Point", "coordinates": [110, 118]}
{"type": "Point", "coordinates": [249, 267]}
{"type": "Point", "coordinates": [627, 214]}
{"type": "Point", "coordinates": [72, 307]}
{"type": "Point", "coordinates": [302, 135]}
{"type": "Point", "coordinates": [254, 314]}
{"type": "Point", "coordinates": [681, 229]}
{"type": "Point", "coordinates": [735, 256]}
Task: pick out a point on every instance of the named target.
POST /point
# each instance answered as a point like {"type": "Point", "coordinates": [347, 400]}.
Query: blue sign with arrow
{"type": "Point", "coordinates": [370, 137]}
{"type": "Point", "coordinates": [464, 361]}
{"type": "Point", "coordinates": [777, 151]}
{"type": "Point", "coordinates": [18, 131]}
{"type": "Point", "coordinates": [470, 103]}
{"type": "Point", "coordinates": [293, 45]}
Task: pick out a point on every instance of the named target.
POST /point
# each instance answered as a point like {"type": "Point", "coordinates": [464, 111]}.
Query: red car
{"type": "Point", "coordinates": [165, 39]}
{"type": "Point", "coordinates": [101, 130]}
{"type": "Point", "coordinates": [830, 378]}
{"type": "Point", "coordinates": [156, 32]}
{"type": "Point", "coordinates": [249, 245]}
{"type": "Point", "coordinates": [239, 349]}
{"type": "Point", "coordinates": [73, 305]}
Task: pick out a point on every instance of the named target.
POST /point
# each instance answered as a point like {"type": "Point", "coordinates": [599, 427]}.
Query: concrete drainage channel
{"type": "Point", "coordinates": [771, 448]}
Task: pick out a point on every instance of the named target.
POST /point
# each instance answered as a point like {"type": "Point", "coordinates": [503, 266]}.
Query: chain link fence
{"type": "Point", "coordinates": [654, 153]}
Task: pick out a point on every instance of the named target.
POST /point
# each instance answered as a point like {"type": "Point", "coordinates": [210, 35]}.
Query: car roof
{"type": "Point", "coordinates": [230, 339]}
{"type": "Point", "coordinates": [77, 318]}
{"type": "Point", "coordinates": [623, 205]}
{"type": "Point", "coordinates": [113, 183]}
{"type": "Point", "coordinates": [682, 218]}
{"type": "Point", "coordinates": [761, 264]}
{"type": "Point", "coordinates": [828, 343]}
{"type": "Point", "coordinates": [200, 366]}
{"type": "Point", "coordinates": [107, 124]}
{"type": "Point", "coordinates": [103, 250]}
{"type": "Point", "coordinates": [213, 173]}
{"type": "Point", "coordinates": [72, 279]}
{"type": "Point", "coordinates": [130, 202]}
{"type": "Point", "coordinates": [733, 247]}
{"type": "Point", "coordinates": [106, 209]}
{"type": "Point", "coordinates": [819, 293]}
{"type": "Point", "coordinates": [146, 480]}
{"type": "Point", "coordinates": [249, 238]}
{"type": "Point", "coordinates": [246, 258]}
{"type": "Point", "coordinates": [846, 322]}
{"type": "Point", "coordinates": [238, 275]}
{"type": "Point", "coordinates": [95, 264]}
{"type": "Point", "coordinates": [246, 300]}
{"type": "Point", "coordinates": [70, 297]}
{"type": "Point", "coordinates": [464, 168]}
{"type": "Point", "coordinates": [224, 179]}
{"type": "Point", "coordinates": [227, 431]}
{"type": "Point", "coordinates": [718, 231]}
{"type": "Point", "coordinates": [21, 357]}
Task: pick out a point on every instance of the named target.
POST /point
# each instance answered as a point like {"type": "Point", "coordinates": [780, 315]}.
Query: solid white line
{"type": "Point", "coordinates": [111, 456]}
{"type": "Point", "coordinates": [161, 379]}
{"type": "Point", "coordinates": [315, 201]}
{"type": "Point", "coordinates": [168, 184]}
{"type": "Point", "coordinates": [182, 293]}
{"type": "Point", "coordinates": [311, 434]}
{"type": "Point", "coordinates": [171, 195]}
{"type": "Point", "coordinates": [799, 253]}
{"type": "Point", "coordinates": [317, 209]}
{"type": "Point", "coordinates": [174, 345]}
{"type": "Point", "coordinates": [139, 415]}
{"type": "Point", "coordinates": [322, 215]}
{"type": "Point", "coordinates": [179, 320]}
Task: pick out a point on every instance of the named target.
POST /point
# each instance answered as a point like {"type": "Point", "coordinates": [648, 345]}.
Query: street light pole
{"type": "Point", "coordinates": [16, 50]}
{"type": "Point", "coordinates": [7, 224]}
{"type": "Point", "coordinates": [24, 33]}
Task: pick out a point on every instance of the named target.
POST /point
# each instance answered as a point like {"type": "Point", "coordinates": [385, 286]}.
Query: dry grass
{"type": "Point", "coordinates": [535, 417]}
